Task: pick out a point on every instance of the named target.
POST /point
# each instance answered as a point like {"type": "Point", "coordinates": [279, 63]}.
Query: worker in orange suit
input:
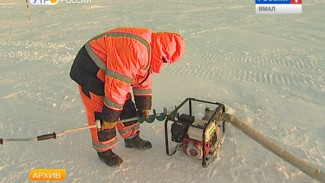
{"type": "Point", "coordinates": [106, 68]}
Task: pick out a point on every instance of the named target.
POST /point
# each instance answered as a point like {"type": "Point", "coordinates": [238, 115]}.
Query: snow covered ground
{"type": "Point", "coordinates": [267, 69]}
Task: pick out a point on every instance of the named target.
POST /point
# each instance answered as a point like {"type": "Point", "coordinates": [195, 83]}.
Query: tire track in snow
{"type": "Point", "coordinates": [280, 68]}
{"type": "Point", "coordinates": [285, 59]}
{"type": "Point", "coordinates": [251, 76]}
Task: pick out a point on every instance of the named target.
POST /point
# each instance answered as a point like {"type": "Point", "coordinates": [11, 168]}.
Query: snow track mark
{"type": "Point", "coordinates": [295, 70]}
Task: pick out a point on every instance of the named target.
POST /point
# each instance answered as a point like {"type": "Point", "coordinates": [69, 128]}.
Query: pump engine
{"type": "Point", "coordinates": [198, 138]}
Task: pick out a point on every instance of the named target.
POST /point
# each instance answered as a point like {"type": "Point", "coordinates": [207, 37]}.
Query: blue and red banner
{"type": "Point", "coordinates": [278, 6]}
{"type": "Point", "coordinates": [278, 1]}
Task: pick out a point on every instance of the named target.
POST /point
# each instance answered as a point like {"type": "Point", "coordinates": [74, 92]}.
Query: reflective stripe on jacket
{"type": "Point", "coordinates": [122, 57]}
{"type": "Point", "coordinates": [112, 63]}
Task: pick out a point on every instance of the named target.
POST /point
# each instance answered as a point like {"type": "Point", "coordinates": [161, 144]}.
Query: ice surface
{"type": "Point", "coordinates": [267, 69]}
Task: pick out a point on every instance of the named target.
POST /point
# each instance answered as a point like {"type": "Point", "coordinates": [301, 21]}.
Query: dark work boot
{"type": "Point", "coordinates": [137, 143]}
{"type": "Point", "coordinates": [110, 158]}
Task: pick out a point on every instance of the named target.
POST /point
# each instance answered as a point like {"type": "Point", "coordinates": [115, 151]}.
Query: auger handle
{"type": "Point", "coordinates": [51, 135]}
{"type": "Point", "coordinates": [54, 135]}
{"type": "Point", "coordinates": [46, 136]}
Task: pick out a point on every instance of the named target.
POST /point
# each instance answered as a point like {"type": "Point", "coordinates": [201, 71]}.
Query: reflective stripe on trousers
{"type": "Point", "coordinates": [106, 139]}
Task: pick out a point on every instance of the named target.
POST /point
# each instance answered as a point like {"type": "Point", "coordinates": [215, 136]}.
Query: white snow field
{"type": "Point", "coordinates": [267, 69]}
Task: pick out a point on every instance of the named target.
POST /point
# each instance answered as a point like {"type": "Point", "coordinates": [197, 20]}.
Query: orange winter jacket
{"type": "Point", "coordinates": [112, 63]}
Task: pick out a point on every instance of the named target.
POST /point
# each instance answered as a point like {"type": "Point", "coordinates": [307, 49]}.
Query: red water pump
{"type": "Point", "coordinates": [198, 138]}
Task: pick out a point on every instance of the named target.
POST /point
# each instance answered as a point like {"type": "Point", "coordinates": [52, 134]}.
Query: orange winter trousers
{"type": "Point", "coordinates": [104, 140]}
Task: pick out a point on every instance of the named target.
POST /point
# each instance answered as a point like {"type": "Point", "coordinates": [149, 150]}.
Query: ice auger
{"type": "Point", "coordinates": [141, 119]}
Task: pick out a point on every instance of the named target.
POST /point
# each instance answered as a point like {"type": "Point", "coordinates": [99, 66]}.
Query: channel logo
{"type": "Point", "coordinates": [278, 6]}
{"type": "Point", "coordinates": [43, 2]}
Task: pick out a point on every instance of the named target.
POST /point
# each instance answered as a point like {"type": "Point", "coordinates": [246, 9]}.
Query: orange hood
{"type": "Point", "coordinates": [170, 46]}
